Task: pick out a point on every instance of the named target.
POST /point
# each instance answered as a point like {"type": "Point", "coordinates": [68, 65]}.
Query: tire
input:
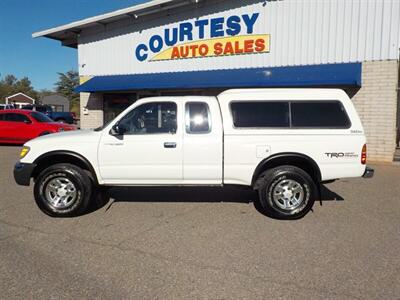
{"type": "Point", "coordinates": [44, 133]}
{"type": "Point", "coordinates": [286, 192]}
{"type": "Point", "coordinates": [63, 190]}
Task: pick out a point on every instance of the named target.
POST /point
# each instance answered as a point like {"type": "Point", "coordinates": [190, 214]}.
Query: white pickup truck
{"type": "Point", "coordinates": [281, 142]}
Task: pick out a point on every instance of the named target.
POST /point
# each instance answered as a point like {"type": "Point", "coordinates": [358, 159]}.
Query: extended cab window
{"type": "Point", "coordinates": [151, 118]}
{"type": "Point", "coordinates": [198, 117]}
{"type": "Point", "coordinates": [260, 114]}
{"type": "Point", "coordinates": [319, 114]}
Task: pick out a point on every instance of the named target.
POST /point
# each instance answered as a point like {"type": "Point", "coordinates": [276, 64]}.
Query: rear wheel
{"type": "Point", "coordinates": [63, 190]}
{"type": "Point", "coordinates": [286, 192]}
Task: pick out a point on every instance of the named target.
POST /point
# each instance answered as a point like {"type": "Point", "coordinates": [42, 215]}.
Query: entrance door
{"type": "Point", "coordinates": [150, 151]}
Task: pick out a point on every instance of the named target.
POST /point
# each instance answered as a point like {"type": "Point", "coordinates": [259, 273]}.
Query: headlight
{"type": "Point", "coordinates": [60, 129]}
{"type": "Point", "coordinates": [24, 152]}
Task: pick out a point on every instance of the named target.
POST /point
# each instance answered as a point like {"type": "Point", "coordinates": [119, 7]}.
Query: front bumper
{"type": "Point", "coordinates": [23, 173]}
{"type": "Point", "coordinates": [369, 173]}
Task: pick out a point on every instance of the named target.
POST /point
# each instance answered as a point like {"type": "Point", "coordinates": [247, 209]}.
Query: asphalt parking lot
{"type": "Point", "coordinates": [203, 243]}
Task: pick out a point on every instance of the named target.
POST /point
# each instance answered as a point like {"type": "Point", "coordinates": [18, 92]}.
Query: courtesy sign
{"type": "Point", "coordinates": [225, 36]}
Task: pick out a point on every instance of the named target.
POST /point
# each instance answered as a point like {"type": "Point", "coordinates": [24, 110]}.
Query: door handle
{"type": "Point", "coordinates": [170, 145]}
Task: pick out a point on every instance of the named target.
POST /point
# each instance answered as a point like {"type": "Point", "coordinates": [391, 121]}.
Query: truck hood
{"type": "Point", "coordinates": [82, 142]}
{"type": "Point", "coordinates": [66, 138]}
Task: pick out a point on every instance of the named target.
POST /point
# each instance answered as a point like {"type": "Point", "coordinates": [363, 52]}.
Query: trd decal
{"type": "Point", "coordinates": [341, 154]}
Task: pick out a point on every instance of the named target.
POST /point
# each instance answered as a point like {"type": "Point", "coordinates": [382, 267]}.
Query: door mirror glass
{"type": "Point", "coordinates": [118, 129]}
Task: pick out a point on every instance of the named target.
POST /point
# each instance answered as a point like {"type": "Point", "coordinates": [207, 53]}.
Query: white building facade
{"type": "Point", "coordinates": [204, 47]}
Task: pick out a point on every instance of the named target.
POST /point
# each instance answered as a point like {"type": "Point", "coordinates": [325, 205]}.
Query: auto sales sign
{"type": "Point", "coordinates": [207, 37]}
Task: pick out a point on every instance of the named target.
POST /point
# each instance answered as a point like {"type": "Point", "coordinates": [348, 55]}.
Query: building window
{"type": "Point", "coordinates": [260, 114]}
{"type": "Point", "coordinates": [151, 118]}
{"type": "Point", "coordinates": [114, 104]}
{"type": "Point", "coordinates": [198, 118]}
{"type": "Point", "coordinates": [319, 114]}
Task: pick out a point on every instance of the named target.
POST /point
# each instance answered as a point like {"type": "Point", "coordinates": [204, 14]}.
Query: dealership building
{"type": "Point", "coordinates": [203, 47]}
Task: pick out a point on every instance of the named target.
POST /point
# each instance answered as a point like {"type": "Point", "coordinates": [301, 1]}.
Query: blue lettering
{"type": "Point", "coordinates": [156, 43]}
{"type": "Point", "coordinates": [171, 41]}
{"type": "Point", "coordinates": [250, 21]}
{"type": "Point", "coordinates": [185, 30]}
{"type": "Point", "coordinates": [217, 27]}
{"type": "Point", "coordinates": [201, 24]}
{"type": "Point", "coordinates": [233, 24]}
{"type": "Point", "coordinates": [141, 52]}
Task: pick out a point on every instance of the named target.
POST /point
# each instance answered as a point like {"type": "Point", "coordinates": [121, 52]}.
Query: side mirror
{"type": "Point", "coordinates": [118, 129]}
{"type": "Point", "coordinates": [27, 121]}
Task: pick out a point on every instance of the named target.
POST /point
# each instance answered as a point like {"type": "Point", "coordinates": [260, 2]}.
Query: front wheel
{"type": "Point", "coordinates": [63, 190]}
{"type": "Point", "coordinates": [286, 192]}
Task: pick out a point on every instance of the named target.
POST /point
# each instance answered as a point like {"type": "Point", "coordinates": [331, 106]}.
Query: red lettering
{"type": "Point", "coordinates": [260, 45]}
{"type": "Point", "coordinates": [175, 53]}
{"type": "Point", "coordinates": [238, 49]}
{"type": "Point", "coordinates": [203, 50]}
{"type": "Point", "coordinates": [248, 46]}
{"type": "Point", "coordinates": [194, 50]}
{"type": "Point", "coordinates": [184, 51]}
{"type": "Point", "coordinates": [228, 49]}
{"type": "Point", "coordinates": [218, 50]}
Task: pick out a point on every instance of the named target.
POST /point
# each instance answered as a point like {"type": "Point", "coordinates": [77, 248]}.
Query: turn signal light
{"type": "Point", "coordinates": [364, 154]}
{"type": "Point", "coordinates": [24, 152]}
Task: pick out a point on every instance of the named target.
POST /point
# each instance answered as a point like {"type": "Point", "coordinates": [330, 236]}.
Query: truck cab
{"type": "Point", "coordinates": [281, 142]}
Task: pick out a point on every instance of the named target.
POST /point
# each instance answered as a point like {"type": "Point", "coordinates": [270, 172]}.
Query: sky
{"type": "Point", "coordinates": [40, 59]}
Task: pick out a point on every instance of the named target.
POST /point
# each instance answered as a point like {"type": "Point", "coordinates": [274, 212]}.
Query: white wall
{"type": "Point", "coordinates": [302, 32]}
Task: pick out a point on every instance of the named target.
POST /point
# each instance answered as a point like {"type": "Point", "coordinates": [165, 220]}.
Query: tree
{"type": "Point", "coordinates": [11, 85]}
{"type": "Point", "coordinates": [10, 80]}
{"type": "Point", "coordinates": [66, 84]}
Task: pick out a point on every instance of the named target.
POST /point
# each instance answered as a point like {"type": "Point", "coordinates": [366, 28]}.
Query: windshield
{"type": "Point", "coordinates": [41, 117]}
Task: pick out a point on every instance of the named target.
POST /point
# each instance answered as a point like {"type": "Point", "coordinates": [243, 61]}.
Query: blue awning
{"type": "Point", "coordinates": [347, 74]}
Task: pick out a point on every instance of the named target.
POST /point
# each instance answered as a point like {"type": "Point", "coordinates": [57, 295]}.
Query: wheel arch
{"type": "Point", "coordinates": [299, 160]}
{"type": "Point", "coordinates": [64, 156]}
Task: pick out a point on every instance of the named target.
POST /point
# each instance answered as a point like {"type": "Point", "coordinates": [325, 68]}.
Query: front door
{"type": "Point", "coordinates": [16, 127]}
{"type": "Point", "coordinates": [149, 152]}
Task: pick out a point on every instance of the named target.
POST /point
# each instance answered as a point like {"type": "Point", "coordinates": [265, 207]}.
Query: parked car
{"type": "Point", "coordinates": [62, 117]}
{"type": "Point", "coordinates": [281, 142]}
{"type": "Point", "coordinates": [6, 106]}
{"type": "Point", "coordinates": [19, 126]}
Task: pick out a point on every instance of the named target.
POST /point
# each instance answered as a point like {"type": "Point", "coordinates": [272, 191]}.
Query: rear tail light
{"type": "Point", "coordinates": [364, 155]}
{"type": "Point", "coordinates": [73, 115]}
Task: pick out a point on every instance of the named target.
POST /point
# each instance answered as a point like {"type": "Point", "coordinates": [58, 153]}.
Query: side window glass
{"type": "Point", "coordinates": [1, 117]}
{"type": "Point", "coordinates": [151, 118]}
{"type": "Point", "coordinates": [319, 114]}
{"type": "Point", "coordinates": [15, 118]}
{"type": "Point", "coordinates": [268, 114]}
{"type": "Point", "coordinates": [198, 117]}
